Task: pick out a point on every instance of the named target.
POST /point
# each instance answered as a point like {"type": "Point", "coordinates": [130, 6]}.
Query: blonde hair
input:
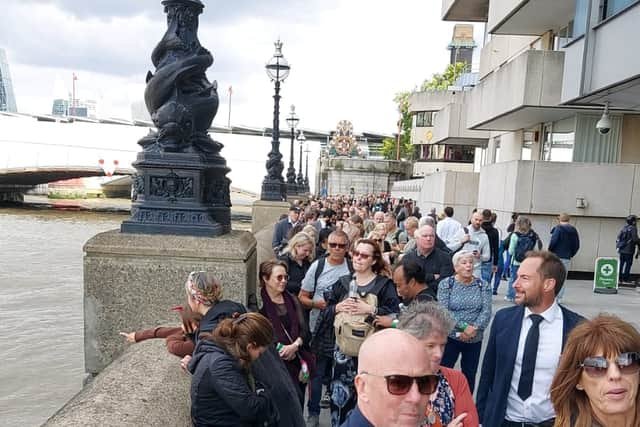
{"type": "Point", "coordinates": [300, 239]}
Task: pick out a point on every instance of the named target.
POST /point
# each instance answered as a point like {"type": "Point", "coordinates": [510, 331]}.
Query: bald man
{"type": "Point", "coordinates": [393, 385]}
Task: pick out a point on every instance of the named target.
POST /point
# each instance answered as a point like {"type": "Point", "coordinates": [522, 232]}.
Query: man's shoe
{"type": "Point", "coordinates": [495, 292]}
{"type": "Point", "coordinates": [313, 421]}
{"type": "Point", "coordinates": [325, 402]}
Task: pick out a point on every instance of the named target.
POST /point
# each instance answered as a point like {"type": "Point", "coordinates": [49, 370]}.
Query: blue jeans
{"type": "Point", "coordinates": [485, 271]}
{"type": "Point", "coordinates": [470, 358]}
{"type": "Point", "coordinates": [626, 261]}
{"type": "Point", "coordinates": [511, 293]}
{"type": "Point", "coordinates": [498, 275]}
{"type": "Point", "coordinates": [322, 377]}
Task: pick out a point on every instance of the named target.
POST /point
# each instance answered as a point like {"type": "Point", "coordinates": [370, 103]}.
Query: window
{"type": "Point", "coordinates": [448, 153]}
{"type": "Point", "coordinates": [424, 119]}
{"type": "Point", "coordinates": [609, 8]}
{"type": "Point", "coordinates": [575, 28]}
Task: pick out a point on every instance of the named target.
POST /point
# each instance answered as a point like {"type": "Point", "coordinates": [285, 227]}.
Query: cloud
{"type": "Point", "coordinates": [348, 57]}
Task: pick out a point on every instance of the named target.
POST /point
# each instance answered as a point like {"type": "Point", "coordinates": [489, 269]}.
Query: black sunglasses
{"type": "Point", "coordinates": [399, 385]}
{"type": "Point", "coordinates": [337, 245]}
{"type": "Point", "coordinates": [628, 363]}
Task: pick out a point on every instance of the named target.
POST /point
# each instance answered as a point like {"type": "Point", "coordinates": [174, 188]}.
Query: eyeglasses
{"type": "Point", "coordinates": [362, 255]}
{"type": "Point", "coordinates": [628, 363]}
{"type": "Point", "coordinates": [378, 240]}
{"type": "Point", "coordinates": [337, 245]}
{"type": "Point", "coordinates": [399, 385]}
{"type": "Point", "coordinates": [282, 277]}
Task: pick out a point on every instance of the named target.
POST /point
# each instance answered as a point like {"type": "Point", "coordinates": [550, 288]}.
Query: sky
{"type": "Point", "coordinates": [348, 57]}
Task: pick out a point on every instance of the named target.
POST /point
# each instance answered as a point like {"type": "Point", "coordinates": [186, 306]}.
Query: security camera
{"type": "Point", "coordinates": [604, 124]}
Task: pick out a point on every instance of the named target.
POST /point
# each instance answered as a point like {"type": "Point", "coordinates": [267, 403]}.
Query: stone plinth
{"type": "Point", "coordinates": [344, 175]}
{"type": "Point", "coordinates": [143, 387]}
{"type": "Point", "coordinates": [132, 280]}
{"type": "Point", "coordinates": [266, 213]}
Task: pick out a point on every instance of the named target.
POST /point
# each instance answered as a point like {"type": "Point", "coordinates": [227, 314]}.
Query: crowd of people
{"type": "Point", "coordinates": [367, 307]}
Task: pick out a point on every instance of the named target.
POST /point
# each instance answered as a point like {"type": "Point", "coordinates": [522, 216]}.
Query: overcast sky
{"type": "Point", "coordinates": [348, 57]}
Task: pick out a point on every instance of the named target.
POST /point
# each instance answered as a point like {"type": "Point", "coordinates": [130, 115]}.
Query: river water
{"type": "Point", "coordinates": [41, 315]}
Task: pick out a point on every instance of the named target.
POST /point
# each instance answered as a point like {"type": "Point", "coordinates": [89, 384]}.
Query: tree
{"type": "Point", "coordinates": [407, 150]}
{"type": "Point", "coordinates": [446, 79]}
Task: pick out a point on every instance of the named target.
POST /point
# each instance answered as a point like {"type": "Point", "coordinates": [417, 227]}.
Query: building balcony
{"type": "Point", "coordinates": [529, 17]}
{"type": "Point", "coordinates": [611, 74]}
{"type": "Point", "coordinates": [423, 168]}
{"type": "Point", "coordinates": [522, 93]}
{"type": "Point", "coordinates": [450, 122]}
{"type": "Point", "coordinates": [465, 10]}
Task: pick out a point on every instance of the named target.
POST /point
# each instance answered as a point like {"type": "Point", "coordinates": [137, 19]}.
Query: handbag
{"type": "Point", "coordinates": [305, 363]}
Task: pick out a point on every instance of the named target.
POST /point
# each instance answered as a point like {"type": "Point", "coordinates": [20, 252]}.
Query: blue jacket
{"type": "Point", "coordinates": [280, 232]}
{"type": "Point", "coordinates": [500, 358]}
{"type": "Point", "coordinates": [356, 419]}
{"type": "Point", "coordinates": [564, 241]}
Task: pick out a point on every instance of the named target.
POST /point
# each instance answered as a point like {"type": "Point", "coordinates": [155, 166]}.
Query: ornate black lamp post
{"type": "Point", "coordinates": [292, 121]}
{"type": "Point", "coordinates": [180, 186]}
{"type": "Point", "coordinates": [273, 187]}
{"type": "Point", "coordinates": [307, 189]}
{"type": "Point", "coordinates": [301, 139]}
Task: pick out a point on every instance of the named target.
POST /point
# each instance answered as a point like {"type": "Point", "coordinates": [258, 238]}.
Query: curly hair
{"type": "Point", "coordinates": [605, 333]}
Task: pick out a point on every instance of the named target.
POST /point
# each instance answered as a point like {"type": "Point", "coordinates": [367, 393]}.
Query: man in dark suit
{"type": "Point", "coordinates": [283, 227]}
{"type": "Point", "coordinates": [524, 348]}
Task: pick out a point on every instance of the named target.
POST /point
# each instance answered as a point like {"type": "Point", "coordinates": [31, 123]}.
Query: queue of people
{"type": "Point", "coordinates": [373, 328]}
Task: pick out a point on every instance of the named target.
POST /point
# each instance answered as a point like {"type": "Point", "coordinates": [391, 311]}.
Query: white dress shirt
{"type": "Point", "coordinates": [537, 407]}
{"type": "Point", "coordinates": [448, 229]}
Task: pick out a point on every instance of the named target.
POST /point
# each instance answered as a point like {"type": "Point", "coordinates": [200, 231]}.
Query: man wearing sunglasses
{"type": "Point", "coordinates": [393, 386]}
{"type": "Point", "coordinates": [524, 348]}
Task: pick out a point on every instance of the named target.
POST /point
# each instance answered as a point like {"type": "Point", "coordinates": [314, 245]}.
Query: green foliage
{"type": "Point", "coordinates": [443, 81]}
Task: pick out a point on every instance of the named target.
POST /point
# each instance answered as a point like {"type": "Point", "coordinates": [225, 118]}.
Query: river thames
{"type": "Point", "coordinates": [41, 309]}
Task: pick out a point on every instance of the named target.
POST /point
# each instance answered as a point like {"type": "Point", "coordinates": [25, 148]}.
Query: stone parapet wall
{"type": "Point", "coordinates": [343, 175]}
{"type": "Point", "coordinates": [145, 386]}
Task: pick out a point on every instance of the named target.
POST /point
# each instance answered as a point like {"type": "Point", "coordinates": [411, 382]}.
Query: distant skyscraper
{"type": "Point", "coordinates": [7, 98]}
{"type": "Point", "coordinates": [462, 44]}
{"type": "Point", "coordinates": [60, 107]}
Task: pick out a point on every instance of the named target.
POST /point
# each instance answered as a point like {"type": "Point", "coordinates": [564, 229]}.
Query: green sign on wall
{"type": "Point", "coordinates": [605, 276]}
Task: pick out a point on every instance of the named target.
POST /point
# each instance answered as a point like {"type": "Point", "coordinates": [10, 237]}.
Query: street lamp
{"type": "Point", "coordinates": [292, 121]}
{"type": "Point", "coordinates": [273, 186]}
{"type": "Point", "coordinates": [306, 172]}
{"type": "Point", "coordinates": [302, 139]}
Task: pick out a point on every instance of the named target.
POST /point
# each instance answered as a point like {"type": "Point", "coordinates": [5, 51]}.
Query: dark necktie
{"type": "Point", "coordinates": [529, 357]}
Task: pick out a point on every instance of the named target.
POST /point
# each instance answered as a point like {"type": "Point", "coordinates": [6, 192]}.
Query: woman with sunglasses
{"type": "Point", "coordinates": [298, 256]}
{"type": "Point", "coordinates": [290, 331]}
{"type": "Point", "coordinates": [597, 381]}
{"type": "Point", "coordinates": [371, 275]}
{"type": "Point", "coordinates": [223, 390]}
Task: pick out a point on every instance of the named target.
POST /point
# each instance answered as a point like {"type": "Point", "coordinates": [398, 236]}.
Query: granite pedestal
{"type": "Point", "coordinates": [266, 213]}
{"type": "Point", "coordinates": [131, 281]}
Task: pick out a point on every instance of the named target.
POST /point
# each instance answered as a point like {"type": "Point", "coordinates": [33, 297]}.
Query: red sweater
{"type": "Point", "coordinates": [177, 342]}
{"type": "Point", "coordinates": [462, 394]}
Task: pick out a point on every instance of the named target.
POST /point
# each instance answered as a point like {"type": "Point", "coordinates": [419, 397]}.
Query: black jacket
{"type": "Point", "coordinates": [220, 391]}
{"type": "Point", "coordinates": [437, 262]}
{"type": "Point", "coordinates": [494, 241]}
{"type": "Point", "coordinates": [268, 369]}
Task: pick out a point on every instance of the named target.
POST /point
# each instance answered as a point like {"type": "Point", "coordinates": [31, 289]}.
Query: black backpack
{"type": "Point", "coordinates": [525, 243]}
{"type": "Point", "coordinates": [625, 236]}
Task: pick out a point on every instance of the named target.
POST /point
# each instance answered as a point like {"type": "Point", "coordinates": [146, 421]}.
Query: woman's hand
{"type": "Point", "coordinates": [361, 307]}
{"type": "Point", "coordinates": [288, 352]}
{"type": "Point", "coordinates": [130, 336]}
{"type": "Point", "coordinates": [346, 306]}
{"type": "Point", "coordinates": [189, 327]}
{"type": "Point", "coordinates": [471, 331]}
{"type": "Point", "coordinates": [457, 421]}
{"type": "Point", "coordinates": [184, 362]}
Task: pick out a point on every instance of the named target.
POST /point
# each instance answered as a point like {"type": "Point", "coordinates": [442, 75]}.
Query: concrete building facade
{"type": "Point", "coordinates": [547, 72]}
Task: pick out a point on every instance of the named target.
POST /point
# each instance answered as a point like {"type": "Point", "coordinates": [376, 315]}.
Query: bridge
{"type": "Point", "coordinates": [38, 149]}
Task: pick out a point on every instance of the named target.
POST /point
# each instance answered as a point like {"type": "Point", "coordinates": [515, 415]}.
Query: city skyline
{"type": "Point", "coordinates": [348, 58]}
